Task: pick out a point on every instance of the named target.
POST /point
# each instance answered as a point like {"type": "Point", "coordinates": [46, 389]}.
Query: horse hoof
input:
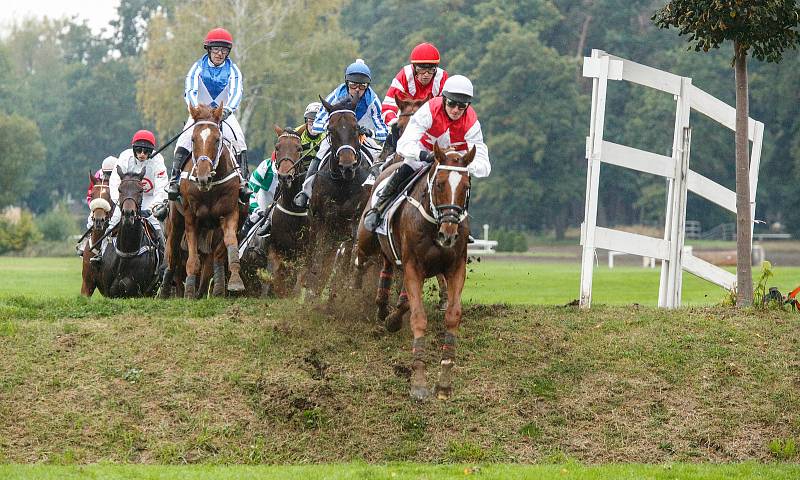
{"type": "Point", "coordinates": [443, 393]}
{"type": "Point", "coordinates": [235, 284]}
{"type": "Point", "coordinates": [189, 293]}
{"type": "Point", "coordinates": [420, 393]}
{"type": "Point", "coordinates": [394, 322]}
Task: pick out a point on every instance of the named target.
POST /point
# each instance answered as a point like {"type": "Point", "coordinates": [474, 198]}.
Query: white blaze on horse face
{"type": "Point", "coordinates": [204, 135]}
{"type": "Point", "coordinates": [454, 179]}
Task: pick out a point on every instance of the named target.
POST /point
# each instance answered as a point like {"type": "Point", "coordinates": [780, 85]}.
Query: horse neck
{"type": "Point", "coordinates": [129, 238]}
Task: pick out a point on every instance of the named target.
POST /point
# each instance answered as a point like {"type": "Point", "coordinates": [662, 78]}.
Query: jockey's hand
{"type": "Point", "coordinates": [145, 213]}
{"type": "Point", "coordinates": [365, 131]}
{"type": "Point", "coordinates": [425, 156]}
{"type": "Point", "coordinates": [226, 112]}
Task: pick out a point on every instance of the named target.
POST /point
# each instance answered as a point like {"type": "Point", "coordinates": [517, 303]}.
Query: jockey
{"type": "Point", "coordinates": [263, 182]}
{"type": "Point", "coordinates": [419, 79]}
{"type": "Point", "coordinates": [213, 80]}
{"type": "Point", "coordinates": [154, 182]}
{"type": "Point", "coordinates": [357, 78]}
{"type": "Point", "coordinates": [449, 121]}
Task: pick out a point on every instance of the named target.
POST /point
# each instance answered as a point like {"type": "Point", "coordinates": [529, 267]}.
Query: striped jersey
{"type": "Point", "coordinates": [212, 85]}
{"type": "Point", "coordinates": [406, 82]}
{"type": "Point", "coordinates": [368, 112]}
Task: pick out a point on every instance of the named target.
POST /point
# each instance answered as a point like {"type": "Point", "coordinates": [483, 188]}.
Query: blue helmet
{"type": "Point", "coordinates": [357, 71]}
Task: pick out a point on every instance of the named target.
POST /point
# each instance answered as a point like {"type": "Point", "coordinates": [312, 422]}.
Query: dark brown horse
{"type": "Point", "coordinates": [289, 224]}
{"type": "Point", "coordinates": [209, 196]}
{"type": "Point", "coordinates": [129, 267]}
{"type": "Point", "coordinates": [102, 208]}
{"type": "Point", "coordinates": [337, 200]}
{"type": "Point", "coordinates": [429, 234]}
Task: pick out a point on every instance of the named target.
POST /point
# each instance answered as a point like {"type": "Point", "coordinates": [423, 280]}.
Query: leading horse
{"type": "Point", "coordinates": [428, 234]}
{"type": "Point", "coordinates": [210, 200]}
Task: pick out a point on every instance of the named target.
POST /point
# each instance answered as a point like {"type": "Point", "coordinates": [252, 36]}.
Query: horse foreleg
{"type": "Point", "coordinates": [452, 319]}
{"type": "Point", "coordinates": [382, 297]}
{"type": "Point", "coordinates": [277, 282]}
{"type": "Point", "coordinates": [171, 251]}
{"type": "Point", "coordinates": [229, 228]}
{"type": "Point", "coordinates": [442, 281]}
{"type": "Point", "coordinates": [193, 262]}
{"type": "Point", "coordinates": [413, 280]}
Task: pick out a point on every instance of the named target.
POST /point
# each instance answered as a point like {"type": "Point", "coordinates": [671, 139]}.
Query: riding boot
{"type": "Point", "coordinates": [301, 199]}
{"type": "Point", "coordinates": [265, 228]}
{"type": "Point", "coordinates": [161, 246]}
{"type": "Point", "coordinates": [373, 217]}
{"type": "Point", "coordinates": [173, 191]}
{"type": "Point", "coordinates": [244, 188]}
{"type": "Point", "coordinates": [248, 224]}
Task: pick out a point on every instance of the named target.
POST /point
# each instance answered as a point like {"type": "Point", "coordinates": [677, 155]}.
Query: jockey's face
{"type": "Point", "coordinates": [309, 123]}
{"type": "Point", "coordinates": [357, 89]}
{"type": "Point", "coordinates": [218, 55]}
{"type": "Point", "coordinates": [453, 109]}
{"type": "Point", "coordinates": [424, 73]}
{"type": "Point", "coordinates": [142, 153]}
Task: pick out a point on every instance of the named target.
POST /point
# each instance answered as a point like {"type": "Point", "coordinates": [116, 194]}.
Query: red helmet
{"type": "Point", "coordinates": [425, 53]}
{"type": "Point", "coordinates": [144, 138]}
{"type": "Point", "coordinates": [218, 37]}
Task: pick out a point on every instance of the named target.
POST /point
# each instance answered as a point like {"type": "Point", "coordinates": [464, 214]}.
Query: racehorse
{"type": "Point", "coordinates": [337, 198]}
{"type": "Point", "coordinates": [429, 235]}
{"type": "Point", "coordinates": [130, 262]}
{"type": "Point", "coordinates": [102, 208]}
{"type": "Point", "coordinates": [209, 200]}
{"type": "Point", "coordinates": [289, 224]}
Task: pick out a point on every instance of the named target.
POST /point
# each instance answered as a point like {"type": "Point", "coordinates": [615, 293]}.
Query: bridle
{"type": "Point", "coordinates": [276, 164]}
{"type": "Point", "coordinates": [138, 203]}
{"type": "Point", "coordinates": [346, 146]}
{"type": "Point", "coordinates": [205, 158]}
{"type": "Point", "coordinates": [447, 213]}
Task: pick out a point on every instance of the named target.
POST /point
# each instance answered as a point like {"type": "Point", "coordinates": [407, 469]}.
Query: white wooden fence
{"type": "Point", "coordinates": [602, 67]}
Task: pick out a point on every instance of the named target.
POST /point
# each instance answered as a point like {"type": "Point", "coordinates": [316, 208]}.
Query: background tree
{"type": "Point", "coordinates": [21, 158]}
{"type": "Point", "coordinates": [768, 28]}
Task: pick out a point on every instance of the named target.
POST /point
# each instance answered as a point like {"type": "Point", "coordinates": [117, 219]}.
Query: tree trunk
{"type": "Point", "coordinates": [744, 277]}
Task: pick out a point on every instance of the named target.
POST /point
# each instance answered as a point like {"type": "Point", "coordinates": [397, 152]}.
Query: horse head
{"type": "Point", "coordinates": [100, 203]}
{"type": "Point", "coordinates": [287, 155]}
{"type": "Point", "coordinates": [448, 187]}
{"type": "Point", "coordinates": [206, 144]}
{"type": "Point", "coordinates": [406, 107]}
{"type": "Point", "coordinates": [130, 194]}
{"type": "Point", "coordinates": [343, 135]}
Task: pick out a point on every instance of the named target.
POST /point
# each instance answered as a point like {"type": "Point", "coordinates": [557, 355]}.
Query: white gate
{"type": "Point", "coordinates": [602, 67]}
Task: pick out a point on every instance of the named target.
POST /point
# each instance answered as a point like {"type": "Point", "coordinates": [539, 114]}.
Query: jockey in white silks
{"type": "Point", "coordinates": [357, 78]}
{"type": "Point", "coordinates": [213, 80]}
{"type": "Point", "coordinates": [154, 183]}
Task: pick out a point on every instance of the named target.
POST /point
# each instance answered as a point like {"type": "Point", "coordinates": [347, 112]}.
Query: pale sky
{"type": "Point", "coordinates": [97, 12]}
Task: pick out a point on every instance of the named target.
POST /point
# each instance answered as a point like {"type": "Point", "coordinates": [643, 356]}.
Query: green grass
{"type": "Point", "coordinates": [407, 471]}
{"type": "Point", "coordinates": [488, 281]}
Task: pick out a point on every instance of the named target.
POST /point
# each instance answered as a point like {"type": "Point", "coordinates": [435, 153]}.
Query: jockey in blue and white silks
{"type": "Point", "coordinates": [213, 80]}
{"type": "Point", "coordinates": [357, 78]}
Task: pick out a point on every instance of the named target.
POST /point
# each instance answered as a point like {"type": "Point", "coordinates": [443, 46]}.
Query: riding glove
{"type": "Point", "coordinates": [365, 131]}
{"type": "Point", "coordinates": [226, 112]}
{"type": "Point", "coordinates": [425, 156]}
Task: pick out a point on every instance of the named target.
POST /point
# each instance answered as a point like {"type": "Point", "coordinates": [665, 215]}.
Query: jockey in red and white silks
{"type": "Point", "coordinates": [421, 78]}
{"type": "Point", "coordinates": [448, 121]}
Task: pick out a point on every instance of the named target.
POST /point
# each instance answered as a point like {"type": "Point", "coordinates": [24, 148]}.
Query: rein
{"type": "Point", "coordinates": [448, 213]}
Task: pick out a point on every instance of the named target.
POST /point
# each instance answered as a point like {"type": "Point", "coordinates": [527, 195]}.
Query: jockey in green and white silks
{"type": "Point", "coordinates": [357, 78]}
{"type": "Point", "coordinates": [264, 180]}
{"type": "Point", "coordinates": [213, 80]}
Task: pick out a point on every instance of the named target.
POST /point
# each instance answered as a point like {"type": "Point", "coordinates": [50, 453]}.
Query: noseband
{"type": "Point", "coordinates": [448, 213]}
{"type": "Point", "coordinates": [205, 158]}
{"type": "Point", "coordinates": [344, 147]}
{"type": "Point", "coordinates": [277, 163]}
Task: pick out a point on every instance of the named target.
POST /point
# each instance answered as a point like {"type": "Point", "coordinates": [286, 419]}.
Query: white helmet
{"type": "Point", "coordinates": [312, 109]}
{"type": "Point", "coordinates": [109, 163]}
{"type": "Point", "coordinates": [458, 88]}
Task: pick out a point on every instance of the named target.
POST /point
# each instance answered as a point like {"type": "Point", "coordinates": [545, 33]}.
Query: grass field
{"type": "Point", "coordinates": [488, 281]}
{"type": "Point", "coordinates": [405, 471]}
{"type": "Point", "coordinates": [155, 384]}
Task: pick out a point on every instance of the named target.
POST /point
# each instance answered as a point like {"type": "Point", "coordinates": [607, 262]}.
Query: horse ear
{"type": "Point", "coordinates": [119, 171]}
{"type": "Point", "coordinates": [402, 100]}
{"type": "Point", "coordinates": [328, 106]}
{"type": "Point", "coordinates": [303, 128]}
{"type": "Point", "coordinates": [470, 156]}
{"type": "Point", "coordinates": [193, 111]}
{"type": "Point", "coordinates": [91, 179]}
{"type": "Point", "coordinates": [278, 130]}
{"type": "Point", "coordinates": [438, 154]}
{"type": "Point", "coordinates": [217, 113]}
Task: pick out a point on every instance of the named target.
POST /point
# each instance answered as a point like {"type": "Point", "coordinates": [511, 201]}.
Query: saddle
{"type": "Point", "coordinates": [394, 206]}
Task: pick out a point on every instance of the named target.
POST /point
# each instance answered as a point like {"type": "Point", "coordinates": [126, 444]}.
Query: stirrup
{"type": "Point", "coordinates": [301, 200]}
{"type": "Point", "coordinates": [173, 191]}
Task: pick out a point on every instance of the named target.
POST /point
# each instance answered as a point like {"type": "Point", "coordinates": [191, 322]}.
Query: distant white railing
{"type": "Point", "coordinates": [482, 246]}
{"type": "Point", "coordinates": [602, 67]}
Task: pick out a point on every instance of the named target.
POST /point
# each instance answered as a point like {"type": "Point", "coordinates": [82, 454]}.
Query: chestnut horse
{"type": "Point", "coordinates": [102, 208]}
{"type": "Point", "coordinates": [429, 233]}
{"type": "Point", "coordinates": [337, 199]}
{"type": "Point", "coordinates": [406, 107]}
{"type": "Point", "coordinates": [210, 200]}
